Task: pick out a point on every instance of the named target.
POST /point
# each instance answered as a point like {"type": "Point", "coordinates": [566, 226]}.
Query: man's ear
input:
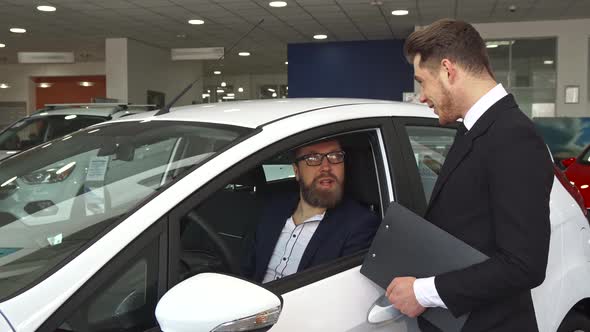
{"type": "Point", "coordinates": [296, 171]}
{"type": "Point", "coordinates": [448, 70]}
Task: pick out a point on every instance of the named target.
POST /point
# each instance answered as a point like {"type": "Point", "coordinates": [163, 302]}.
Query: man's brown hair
{"type": "Point", "coordinates": [455, 40]}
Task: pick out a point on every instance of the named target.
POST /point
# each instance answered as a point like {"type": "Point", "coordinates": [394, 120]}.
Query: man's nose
{"type": "Point", "coordinates": [325, 165]}
{"type": "Point", "coordinates": [423, 98]}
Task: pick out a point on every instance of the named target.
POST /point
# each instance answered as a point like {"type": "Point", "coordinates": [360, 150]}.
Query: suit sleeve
{"type": "Point", "coordinates": [361, 234]}
{"type": "Point", "coordinates": [520, 177]}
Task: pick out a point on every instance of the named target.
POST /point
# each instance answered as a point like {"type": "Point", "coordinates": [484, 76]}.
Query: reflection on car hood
{"type": "Point", "coordinates": [7, 153]}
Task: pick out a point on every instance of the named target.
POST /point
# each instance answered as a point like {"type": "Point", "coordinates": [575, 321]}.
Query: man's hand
{"type": "Point", "coordinates": [400, 293]}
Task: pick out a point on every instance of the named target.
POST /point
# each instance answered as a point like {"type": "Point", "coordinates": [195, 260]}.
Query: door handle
{"type": "Point", "coordinates": [382, 310]}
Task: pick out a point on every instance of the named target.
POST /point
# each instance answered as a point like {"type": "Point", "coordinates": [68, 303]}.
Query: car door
{"type": "Point", "coordinates": [329, 297]}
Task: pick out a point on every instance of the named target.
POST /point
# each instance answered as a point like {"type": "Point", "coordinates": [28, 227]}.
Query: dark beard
{"type": "Point", "coordinates": [321, 198]}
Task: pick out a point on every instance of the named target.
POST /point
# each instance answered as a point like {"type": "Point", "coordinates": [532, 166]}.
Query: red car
{"type": "Point", "coordinates": [577, 170]}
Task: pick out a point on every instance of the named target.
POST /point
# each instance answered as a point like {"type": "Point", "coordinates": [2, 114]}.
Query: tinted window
{"type": "Point", "coordinates": [430, 146]}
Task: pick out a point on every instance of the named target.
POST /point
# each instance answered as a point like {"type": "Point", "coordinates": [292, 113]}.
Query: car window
{"type": "Point", "coordinates": [125, 301]}
{"type": "Point", "coordinates": [61, 195]}
{"type": "Point", "coordinates": [35, 130]}
{"type": "Point", "coordinates": [430, 146]}
{"type": "Point", "coordinates": [228, 219]}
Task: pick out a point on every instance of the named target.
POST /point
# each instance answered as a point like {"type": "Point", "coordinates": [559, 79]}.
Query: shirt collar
{"type": "Point", "coordinates": [483, 104]}
{"type": "Point", "coordinates": [317, 217]}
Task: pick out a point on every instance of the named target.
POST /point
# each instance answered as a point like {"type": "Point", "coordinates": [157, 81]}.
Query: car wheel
{"type": "Point", "coordinates": [575, 322]}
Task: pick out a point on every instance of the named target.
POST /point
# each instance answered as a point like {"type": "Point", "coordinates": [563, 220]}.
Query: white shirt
{"type": "Point", "coordinates": [290, 247]}
{"type": "Point", "coordinates": [424, 288]}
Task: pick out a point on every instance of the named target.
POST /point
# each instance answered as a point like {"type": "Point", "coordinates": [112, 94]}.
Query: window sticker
{"type": "Point", "coordinates": [97, 168]}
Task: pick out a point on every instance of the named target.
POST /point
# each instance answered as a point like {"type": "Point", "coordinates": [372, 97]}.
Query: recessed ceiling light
{"type": "Point", "coordinates": [44, 85]}
{"type": "Point", "coordinates": [277, 4]}
{"type": "Point", "coordinates": [240, 89]}
{"type": "Point", "coordinates": [492, 45]}
{"type": "Point", "coordinates": [18, 30]}
{"type": "Point", "coordinates": [320, 37]}
{"type": "Point", "coordinates": [4, 86]}
{"type": "Point", "coordinates": [217, 72]}
{"type": "Point", "coordinates": [400, 12]}
{"type": "Point", "coordinates": [286, 62]}
{"type": "Point", "coordinates": [196, 22]}
{"type": "Point", "coordinates": [274, 94]}
{"type": "Point", "coordinates": [85, 84]}
{"type": "Point", "coordinates": [223, 84]}
{"type": "Point", "coordinates": [244, 54]}
{"type": "Point", "coordinates": [2, 45]}
{"type": "Point", "coordinates": [548, 62]}
{"type": "Point", "coordinates": [46, 8]}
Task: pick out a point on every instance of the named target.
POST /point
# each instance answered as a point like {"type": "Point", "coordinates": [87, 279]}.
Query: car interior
{"type": "Point", "coordinates": [214, 240]}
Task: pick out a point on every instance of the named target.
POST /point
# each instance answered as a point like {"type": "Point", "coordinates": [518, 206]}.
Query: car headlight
{"type": "Point", "coordinates": [52, 175]}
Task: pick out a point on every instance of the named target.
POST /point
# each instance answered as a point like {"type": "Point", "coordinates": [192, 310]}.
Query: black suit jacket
{"type": "Point", "coordinates": [344, 230]}
{"type": "Point", "coordinates": [493, 193]}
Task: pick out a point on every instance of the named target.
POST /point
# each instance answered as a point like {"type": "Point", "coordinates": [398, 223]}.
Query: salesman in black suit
{"type": "Point", "coordinates": [492, 192]}
{"type": "Point", "coordinates": [313, 226]}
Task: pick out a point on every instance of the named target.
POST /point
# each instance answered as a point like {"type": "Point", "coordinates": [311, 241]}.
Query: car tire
{"type": "Point", "coordinates": [575, 321]}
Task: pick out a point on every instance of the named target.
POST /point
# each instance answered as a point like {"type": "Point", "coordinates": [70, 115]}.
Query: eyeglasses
{"type": "Point", "coordinates": [316, 159]}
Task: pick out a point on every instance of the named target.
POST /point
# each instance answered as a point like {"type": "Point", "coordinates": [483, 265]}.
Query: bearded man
{"type": "Point", "coordinates": [315, 226]}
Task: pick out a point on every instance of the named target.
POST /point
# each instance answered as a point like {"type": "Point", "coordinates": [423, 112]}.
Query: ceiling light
{"type": "Point", "coordinates": [205, 95]}
{"type": "Point", "coordinates": [18, 30]}
{"type": "Point", "coordinates": [274, 94]}
{"type": "Point", "coordinates": [217, 72]}
{"type": "Point", "coordinates": [320, 37]}
{"type": "Point", "coordinates": [286, 62]}
{"type": "Point", "coordinates": [491, 45]}
{"type": "Point", "coordinates": [244, 54]}
{"type": "Point", "coordinates": [271, 90]}
{"type": "Point", "coordinates": [240, 89]}
{"type": "Point", "coordinates": [220, 91]}
{"type": "Point", "coordinates": [46, 8]}
{"type": "Point", "coordinates": [85, 84]}
{"type": "Point", "coordinates": [277, 4]}
{"type": "Point", "coordinates": [2, 45]}
{"type": "Point", "coordinates": [231, 94]}
{"type": "Point", "coordinates": [4, 86]}
{"type": "Point", "coordinates": [44, 85]}
{"type": "Point", "coordinates": [548, 62]}
{"type": "Point", "coordinates": [208, 91]}
{"type": "Point", "coordinates": [223, 84]}
{"type": "Point", "coordinates": [196, 22]}
{"type": "Point", "coordinates": [400, 12]}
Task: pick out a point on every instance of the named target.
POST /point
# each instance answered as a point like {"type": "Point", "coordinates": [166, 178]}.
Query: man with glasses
{"type": "Point", "coordinates": [315, 226]}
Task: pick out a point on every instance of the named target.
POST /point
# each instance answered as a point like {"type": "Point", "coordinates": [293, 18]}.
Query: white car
{"type": "Point", "coordinates": [57, 120]}
{"type": "Point", "coordinates": [154, 212]}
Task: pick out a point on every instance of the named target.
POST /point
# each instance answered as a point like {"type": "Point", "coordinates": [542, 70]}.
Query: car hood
{"type": "Point", "coordinates": [7, 153]}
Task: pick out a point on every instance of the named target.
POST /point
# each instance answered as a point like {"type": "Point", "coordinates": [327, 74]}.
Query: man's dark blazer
{"type": "Point", "coordinates": [493, 193]}
{"type": "Point", "coordinates": [344, 230]}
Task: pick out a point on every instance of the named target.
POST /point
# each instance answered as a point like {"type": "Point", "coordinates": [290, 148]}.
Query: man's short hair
{"type": "Point", "coordinates": [450, 39]}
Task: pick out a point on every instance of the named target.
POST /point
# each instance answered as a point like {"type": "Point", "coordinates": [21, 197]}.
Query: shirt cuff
{"type": "Point", "coordinates": [426, 293]}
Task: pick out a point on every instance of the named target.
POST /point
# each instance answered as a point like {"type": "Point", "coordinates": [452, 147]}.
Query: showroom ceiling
{"type": "Point", "coordinates": [82, 25]}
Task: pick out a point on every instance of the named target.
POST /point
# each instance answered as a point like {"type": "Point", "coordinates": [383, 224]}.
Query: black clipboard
{"type": "Point", "coordinates": [408, 245]}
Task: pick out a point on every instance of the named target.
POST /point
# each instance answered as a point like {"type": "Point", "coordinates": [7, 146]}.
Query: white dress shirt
{"type": "Point", "coordinates": [424, 288]}
{"type": "Point", "coordinates": [290, 247]}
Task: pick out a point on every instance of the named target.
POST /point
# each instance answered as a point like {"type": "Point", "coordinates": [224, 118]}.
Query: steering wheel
{"type": "Point", "coordinates": [227, 257]}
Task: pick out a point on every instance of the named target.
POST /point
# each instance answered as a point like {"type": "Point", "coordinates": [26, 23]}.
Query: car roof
{"type": "Point", "coordinates": [255, 113]}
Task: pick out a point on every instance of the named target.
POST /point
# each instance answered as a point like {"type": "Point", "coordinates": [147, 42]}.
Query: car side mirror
{"type": "Point", "coordinates": [217, 303]}
{"type": "Point", "coordinates": [567, 162]}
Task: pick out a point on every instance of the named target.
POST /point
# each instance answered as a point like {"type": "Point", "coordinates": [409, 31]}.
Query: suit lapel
{"type": "Point", "coordinates": [323, 230]}
{"type": "Point", "coordinates": [463, 144]}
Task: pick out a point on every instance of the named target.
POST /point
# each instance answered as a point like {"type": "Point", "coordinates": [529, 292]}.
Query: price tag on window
{"type": "Point", "coordinates": [97, 168]}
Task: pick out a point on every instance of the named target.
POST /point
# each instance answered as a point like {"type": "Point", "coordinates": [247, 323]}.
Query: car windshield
{"type": "Point", "coordinates": [40, 129]}
{"type": "Point", "coordinates": [59, 196]}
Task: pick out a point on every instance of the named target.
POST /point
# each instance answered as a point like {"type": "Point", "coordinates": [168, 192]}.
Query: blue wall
{"type": "Point", "coordinates": [360, 69]}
